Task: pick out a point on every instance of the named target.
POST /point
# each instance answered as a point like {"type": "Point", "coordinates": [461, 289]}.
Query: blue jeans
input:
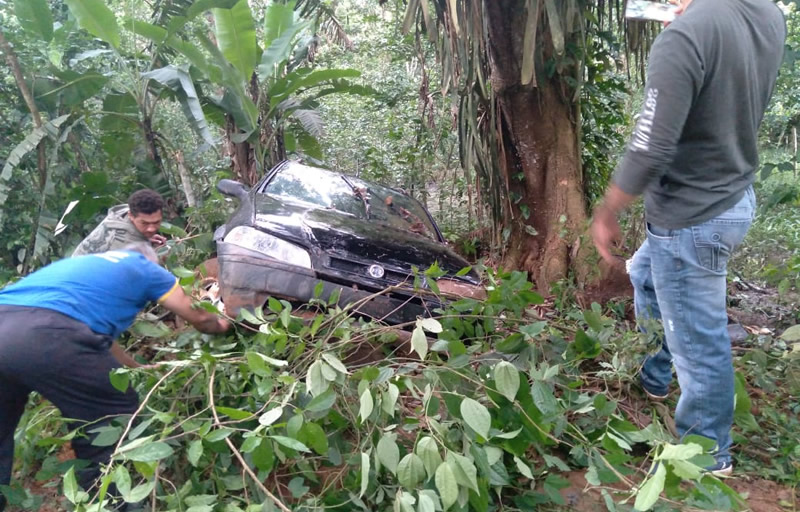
{"type": "Point", "coordinates": [678, 277]}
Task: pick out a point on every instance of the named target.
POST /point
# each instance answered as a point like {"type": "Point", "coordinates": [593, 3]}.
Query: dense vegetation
{"type": "Point", "coordinates": [511, 403]}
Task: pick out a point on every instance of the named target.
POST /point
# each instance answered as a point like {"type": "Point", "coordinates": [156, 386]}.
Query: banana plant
{"type": "Point", "coordinates": [262, 86]}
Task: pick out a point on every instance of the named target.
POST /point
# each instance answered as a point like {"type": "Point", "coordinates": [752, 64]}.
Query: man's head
{"type": "Point", "coordinates": [145, 211]}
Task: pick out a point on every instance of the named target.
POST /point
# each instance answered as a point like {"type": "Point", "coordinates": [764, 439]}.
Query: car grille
{"type": "Point", "coordinates": [361, 269]}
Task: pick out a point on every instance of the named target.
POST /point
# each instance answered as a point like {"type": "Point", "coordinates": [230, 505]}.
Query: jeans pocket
{"type": "Point", "coordinates": [716, 240]}
{"type": "Point", "coordinates": [659, 233]}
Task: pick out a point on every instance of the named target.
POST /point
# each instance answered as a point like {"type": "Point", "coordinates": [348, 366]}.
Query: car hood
{"type": "Point", "coordinates": [345, 235]}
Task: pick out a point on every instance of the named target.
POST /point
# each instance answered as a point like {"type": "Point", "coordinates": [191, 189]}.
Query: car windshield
{"type": "Point", "coordinates": [327, 189]}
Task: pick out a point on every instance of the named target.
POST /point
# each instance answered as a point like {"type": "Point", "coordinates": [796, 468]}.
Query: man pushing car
{"type": "Point", "coordinates": [57, 332]}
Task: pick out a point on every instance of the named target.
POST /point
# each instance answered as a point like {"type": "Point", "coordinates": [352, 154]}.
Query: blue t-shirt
{"type": "Point", "coordinates": [105, 291]}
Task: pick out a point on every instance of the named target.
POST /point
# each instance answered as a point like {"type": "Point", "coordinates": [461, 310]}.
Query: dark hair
{"type": "Point", "coordinates": [145, 201]}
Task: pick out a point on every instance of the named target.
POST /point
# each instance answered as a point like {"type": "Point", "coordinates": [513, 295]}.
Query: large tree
{"type": "Point", "coordinates": [515, 68]}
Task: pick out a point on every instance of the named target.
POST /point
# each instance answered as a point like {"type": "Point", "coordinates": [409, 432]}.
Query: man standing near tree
{"type": "Point", "coordinates": [57, 332]}
{"type": "Point", "coordinates": [693, 155]}
{"type": "Point", "coordinates": [137, 221]}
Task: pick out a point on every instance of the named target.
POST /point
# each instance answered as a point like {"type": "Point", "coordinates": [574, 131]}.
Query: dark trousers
{"type": "Point", "coordinates": [62, 359]}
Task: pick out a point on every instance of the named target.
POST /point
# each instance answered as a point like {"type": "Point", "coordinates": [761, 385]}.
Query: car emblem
{"type": "Point", "coordinates": [376, 271]}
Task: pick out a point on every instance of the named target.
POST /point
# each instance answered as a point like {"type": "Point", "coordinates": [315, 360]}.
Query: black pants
{"type": "Point", "coordinates": [62, 359]}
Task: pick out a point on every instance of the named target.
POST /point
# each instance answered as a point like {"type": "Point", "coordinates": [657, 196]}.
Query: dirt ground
{"type": "Point", "coordinates": [761, 495]}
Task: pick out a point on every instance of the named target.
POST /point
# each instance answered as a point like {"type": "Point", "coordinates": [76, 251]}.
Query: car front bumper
{"type": "Point", "coordinates": [247, 278]}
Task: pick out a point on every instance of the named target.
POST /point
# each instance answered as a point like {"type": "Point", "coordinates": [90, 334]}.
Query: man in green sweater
{"type": "Point", "coordinates": [693, 156]}
{"type": "Point", "coordinates": [137, 221]}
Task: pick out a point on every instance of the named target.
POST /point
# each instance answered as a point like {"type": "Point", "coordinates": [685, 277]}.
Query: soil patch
{"type": "Point", "coordinates": [760, 495]}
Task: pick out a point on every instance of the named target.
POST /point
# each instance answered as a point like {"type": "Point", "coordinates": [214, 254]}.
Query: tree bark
{"type": "Point", "coordinates": [186, 180]}
{"type": "Point", "coordinates": [539, 129]}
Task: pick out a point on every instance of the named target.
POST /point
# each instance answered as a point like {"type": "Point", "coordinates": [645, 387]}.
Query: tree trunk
{"type": "Point", "coordinates": [540, 155]}
{"type": "Point", "coordinates": [186, 180]}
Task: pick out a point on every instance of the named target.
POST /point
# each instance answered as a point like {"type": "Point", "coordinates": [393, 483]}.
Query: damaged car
{"type": "Point", "coordinates": [302, 229]}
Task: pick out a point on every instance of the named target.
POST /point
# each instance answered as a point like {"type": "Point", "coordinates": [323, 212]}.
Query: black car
{"type": "Point", "coordinates": [302, 225]}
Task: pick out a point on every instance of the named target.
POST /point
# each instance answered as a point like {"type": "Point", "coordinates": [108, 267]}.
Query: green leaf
{"type": "Point", "coordinates": [264, 456]}
{"type": "Point", "coordinates": [70, 485]}
{"type": "Point", "coordinates": [741, 413]}
{"type": "Point", "coordinates": [446, 485]}
{"type": "Point", "coordinates": [506, 377]}
{"type": "Point", "coordinates": [28, 144]}
{"type": "Point", "coordinates": [430, 325]}
{"type": "Point", "coordinates": [148, 452]}
{"type": "Point", "coordinates": [335, 363]}
{"type": "Point", "coordinates": [194, 452]}
{"type": "Point", "coordinates": [278, 51]}
{"type": "Point", "coordinates": [328, 373]}
{"type": "Point", "coordinates": [523, 467]}
{"type": "Point", "coordinates": [140, 492]}
{"type": "Point", "coordinates": [679, 451]}
{"type": "Point", "coordinates": [271, 416]}
{"type": "Point", "coordinates": [533, 330]}
{"type": "Point", "coordinates": [179, 82]}
{"type": "Point", "coordinates": [322, 402]}
{"type": "Point", "coordinates": [476, 416]}
{"type": "Point", "coordinates": [120, 378]}
{"type": "Point", "coordinates": [236, 37]}
{"type": "Point", "coordinates": [428, 452]}
{"type": "Point", "coordinates": [234, 414]}
{"type": "Point", "coordinates": [146, 329]}
{"type": "Point", "coordinates": [388, 452]}
{"type": "Point", "coordinates": [96, 18]}
{"type": "Point", "coordinates": [219, 435]}
{"type": "Point", "coordinates": [419, 343]}
{"type": "Point", "coordinates": [410, 471]}
{"type": "Point", "coordinates": [35, 16]}
{"type": "Point", "coordinates": [200, 6]}
{"type": "Point", "coordinates": [106, 436]}
{"type": "Point", "coordinates": [316, 383]}
{"type": "Point", "coordinates": [367, 405]}
{"type": "Point", "coordinates": [426, 503]}
{"type": "Point", "coordinates": [288, 442]}
{"type": "Point", "coordinates": [686, 469]}
{"type": "Point", "coordinates": [364, 473]}
{"type": "Point", "coordinates": [149, 31]}
{"type": "Point", "coordinates": [543, 398]}
{"type": "Point", "coordinates": [649, 492]}
{"type": "Point", "coordinates": [390, 397]}
{"type": "Point", "coordinates": [791, 334]}
{"type": "Point", "coordinates": [464, 470]}
{"type": "Point", "coordinates": [277, 18]}
{"type": "Point", "coordinates": [315, 437]}
{"type": "Point", "coordinates": [593, 320]}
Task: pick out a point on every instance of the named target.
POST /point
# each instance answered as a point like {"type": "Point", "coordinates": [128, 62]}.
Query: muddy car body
{"type": "Point", "coordinates": [302, 225]}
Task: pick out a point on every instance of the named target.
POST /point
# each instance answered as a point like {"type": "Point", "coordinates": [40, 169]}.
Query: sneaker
{"type": "Point", "coordinates": [656, 397]}
{"type": "Point", "coordinates": [722, 469]}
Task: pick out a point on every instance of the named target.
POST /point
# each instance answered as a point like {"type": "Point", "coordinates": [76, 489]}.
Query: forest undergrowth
{"type": "Point", "coordinates": [518, 402]}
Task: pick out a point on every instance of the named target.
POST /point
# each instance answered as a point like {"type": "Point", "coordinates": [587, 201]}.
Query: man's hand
{"type": "Point", "coordinates": [180, 304]}
{"type": "Point", "coordinates": [605, 231]}
{"type": "Point", "coordinates": [682, 5]}
{"type": "Point", "coordinates": [605, 228]}
{"type": "Point", "coordinates": [158, 240]}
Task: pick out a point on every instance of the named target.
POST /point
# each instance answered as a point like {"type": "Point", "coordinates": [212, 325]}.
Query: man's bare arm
{"type": "Point", "coordinates": [180, 304]}
{"type": "Point", "coordinates": [122, 357]}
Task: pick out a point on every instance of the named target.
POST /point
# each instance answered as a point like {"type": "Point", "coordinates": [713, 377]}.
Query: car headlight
{"type": "Point", "coordinates": [269, 245]}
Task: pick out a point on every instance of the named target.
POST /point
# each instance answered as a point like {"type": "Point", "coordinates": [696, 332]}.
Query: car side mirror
{"type": "Point", "coordinates": [232, 188]}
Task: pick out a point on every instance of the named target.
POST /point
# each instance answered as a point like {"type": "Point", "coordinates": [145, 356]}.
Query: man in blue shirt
{"type": "Point", "coordinates": [57, 331]}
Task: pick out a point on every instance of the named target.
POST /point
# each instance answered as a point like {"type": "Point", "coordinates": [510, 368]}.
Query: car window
{"type": "Point", "coordinates": [326, 189]}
